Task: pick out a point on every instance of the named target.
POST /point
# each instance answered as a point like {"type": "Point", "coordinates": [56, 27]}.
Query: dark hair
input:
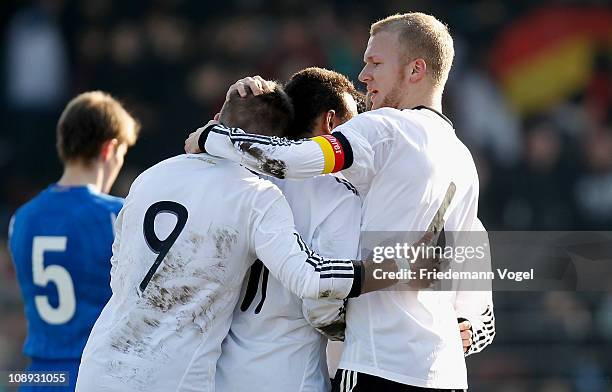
{"type": "Point", "coordinates": [314, 91]}
{"type": "Point", "coordinates": [362, 102]}
{"type": "Point", "coordinates": [88, 121]}
{"type": "Point", "coordinates": [266, 114]}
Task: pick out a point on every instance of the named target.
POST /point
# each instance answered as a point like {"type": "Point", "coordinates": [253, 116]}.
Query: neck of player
{"type": "Point", "coordinates": [79, 174]}
{"type": "Point", "coordinates": [431, 99]}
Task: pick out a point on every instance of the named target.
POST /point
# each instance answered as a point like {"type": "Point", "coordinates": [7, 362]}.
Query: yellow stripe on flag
{"type": "Point", "coordinates": [328, 154]}
{"type": "Point", "coordinates": [549, 77]}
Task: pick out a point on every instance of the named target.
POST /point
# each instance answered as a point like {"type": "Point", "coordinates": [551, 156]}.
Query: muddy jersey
{"type": "Point", "coordinates": [190, 228]}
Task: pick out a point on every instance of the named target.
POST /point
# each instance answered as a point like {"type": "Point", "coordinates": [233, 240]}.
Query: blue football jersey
{"type": "Point", "coordinates": [61, 242]}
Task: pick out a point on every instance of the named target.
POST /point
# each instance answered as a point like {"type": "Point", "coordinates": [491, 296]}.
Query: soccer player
{"type": "Point", "coordinates": [61, 240]}
{"type": "Point", "coordinates": [401, 157]}
{"type": "Point", "coordinates": [189, 230]}
{"type": "Point", "coordinates": [272, 338]}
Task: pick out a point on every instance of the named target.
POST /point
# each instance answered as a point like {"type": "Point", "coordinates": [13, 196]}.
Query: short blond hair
{"type": "Point", "coordinates": [88, 121]}
{"type": "Point", "coordinates": [422, 36]}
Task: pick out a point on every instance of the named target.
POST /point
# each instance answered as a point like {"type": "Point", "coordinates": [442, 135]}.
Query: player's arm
{"type": "Point", "coordinates": [337, 235]}
{"type": "Point", "coordinates": [475, 308]}
{"type": "Point", "coordinates": [281, 157]}
{"type": "Point", "coordinates": [304, 272]}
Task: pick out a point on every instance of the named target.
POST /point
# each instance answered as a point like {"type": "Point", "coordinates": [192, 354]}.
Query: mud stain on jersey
{"type": "Point", "coordinates": [333, 331]}
{"type": "Point", "coordinates": [164, 291]}
{"type": "Point", "coordinates": [201, 158]}
{"type": "Point", "coordinates": [274, 167]}
{"type": "Point", "coordinates": [133, 337]}
{"type": "Point", "coordinates": [194, 291]}
{"type": "Point", "coordinates": [332, 328]}
{"type": "Point", "coordinates": [204, 315]}
{"type": "Point", "coordinates": [151, 322]}
{"type": "Point", "coordinates": [166, 298]}
{"type": "Point", "coordinates": [196, 241]}
{"type": "Point", "coordinates": [136, 377]}
{"type": "Point", "coordinates": [170, 266]}
{"type": "Point", "coordinates": [184, 289]}
{"type": "Point", "coordinates": [224, 239]}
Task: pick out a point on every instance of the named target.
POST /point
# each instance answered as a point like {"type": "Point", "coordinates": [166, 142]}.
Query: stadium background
{"type": "Point", "coordinates": [530, 93]}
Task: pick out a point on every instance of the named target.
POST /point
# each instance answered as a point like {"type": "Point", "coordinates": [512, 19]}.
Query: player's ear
{"type": "Point", "coordinates": [416, 70]}
{"type": "Point", "coordinates": [330, 120]}
{"type": "Point", "coordinates": [108, 149]}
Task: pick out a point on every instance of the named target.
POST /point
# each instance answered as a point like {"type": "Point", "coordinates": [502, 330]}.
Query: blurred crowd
{"type": "Point", "coordinates": [544, 166]}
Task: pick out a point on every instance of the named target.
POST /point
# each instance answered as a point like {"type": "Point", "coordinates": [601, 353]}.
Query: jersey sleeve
{"type": "Point", "coordinates": [371, 138]}
{"type": "Point", "coordinates": [337, 236]}
{"type": "Point", "coordinates": [303, 272]}
{"type": "Point", "coordinates": [294, 159]}
{"type": "Point", "coordinates": [116, 247]}
{"type": "Point", "coordinates": [477, 306]}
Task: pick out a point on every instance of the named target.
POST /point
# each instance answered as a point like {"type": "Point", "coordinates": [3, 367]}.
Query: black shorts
{"type": "Point", "coordinates": [352, 381]}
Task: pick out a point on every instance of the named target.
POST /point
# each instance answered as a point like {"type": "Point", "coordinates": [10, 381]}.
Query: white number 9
{"type": "Point", "coordinates": [56, 274]}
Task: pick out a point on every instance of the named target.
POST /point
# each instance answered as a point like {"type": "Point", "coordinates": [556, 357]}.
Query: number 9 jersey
{"type": "Point", "coordinates": [190, 229]}
{"type": "Point", "coordinates": [60, 243]}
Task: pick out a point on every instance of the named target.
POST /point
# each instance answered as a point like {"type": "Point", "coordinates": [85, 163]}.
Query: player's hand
{"type": "Point", "coordinates": [465, 329]}
{"type": "Point", "coordinates": [191, 143]}
{"type": "Point", "coordinates": [257, 84]}
{"type": "Point", "coordinates": [423, 265]}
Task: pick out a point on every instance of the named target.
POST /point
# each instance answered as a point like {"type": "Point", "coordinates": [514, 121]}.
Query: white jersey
{"type": "Point", "coordinates": [272, 345]}
{"type": "Point", "coordinates": [402, 162]}
{"type": "Point", "coordinates": [189, 230]}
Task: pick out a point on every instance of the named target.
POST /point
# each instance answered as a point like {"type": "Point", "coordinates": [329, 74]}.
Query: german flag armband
{"type": "Point", "coordinates": [336, 150]}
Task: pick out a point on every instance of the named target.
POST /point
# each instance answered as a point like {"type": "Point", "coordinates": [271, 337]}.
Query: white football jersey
{"type": "Point", "coordinates": [189, 230]}
{"type": "Point", "coordinates": [402, 162]}
{"type": "Point", "coordinates": [409, 337]}
{"type": "Point", "coordinates": [272, 345]}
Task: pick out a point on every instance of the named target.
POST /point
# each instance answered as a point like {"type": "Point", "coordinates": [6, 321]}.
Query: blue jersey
{"type": "Point", "coordinates": [61, 246]}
